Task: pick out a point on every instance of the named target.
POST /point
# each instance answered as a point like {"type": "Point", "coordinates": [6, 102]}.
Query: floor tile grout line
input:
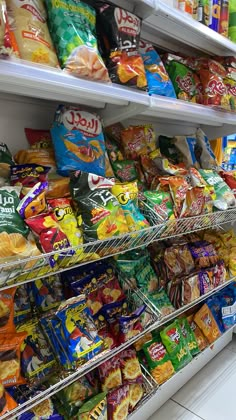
{"type": "Point", "coordinates": [187, 409]}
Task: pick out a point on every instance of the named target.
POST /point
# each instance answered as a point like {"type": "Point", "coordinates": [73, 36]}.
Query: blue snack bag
{"type": "Point", "coordinates": [78, 141]}
{"type": "Point", "coordinates": [215, 304]}
{"type": "Point", "coordinates": [157, 77]}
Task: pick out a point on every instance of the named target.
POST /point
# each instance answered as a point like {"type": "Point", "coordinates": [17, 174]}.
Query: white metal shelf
{"type": "Point", "coordinates": [170, 387]}
{"type": "Point", "coordinates": [173, 29]}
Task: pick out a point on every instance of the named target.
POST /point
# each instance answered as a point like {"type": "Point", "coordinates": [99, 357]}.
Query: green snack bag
{"type": "Point", "coordinates": [6, 160]}
{"type": "Point", "coordinates": [224, 195]}
{"type": "Point", "coordinates": [161, 301]}
{"type": "Point", "coordinates": [189, 336]}
{"type": "Point", "coordinates": [95, 408]}
{"type": "Point", "coordinates": [176, 346]}
{"type": "Point", "coordinates": [125, 170]}
{"type": "Point", "coordinates": [161, 203]}
{"type": "Point", "coordinates": [184, 81]}
{"type": "Point", "coordinates": [158, 361]}
{"type": "Point", "coordinates": [72, 26]}
{"type": "Point", "coordinates": [10, 220]}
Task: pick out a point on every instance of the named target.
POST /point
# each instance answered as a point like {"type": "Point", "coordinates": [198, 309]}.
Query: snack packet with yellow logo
{"type": "Point", "coordinates": [158, 360]}
{"type": "Point", "coordinates": [110, 374]}
{"type": "Point", "coordinates": [94, 408]}
{"type": "Point", "coordinates": [118, 403]}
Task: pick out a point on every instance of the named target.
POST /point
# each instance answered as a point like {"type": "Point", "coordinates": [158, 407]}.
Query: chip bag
{"type": "Point", "coordinates": [47, 293]}
{"type": "Point", "coordinates": [34, 202]}
{"type": "Point", "coordinates": [6, 159]}
{"type": "Point", "coordinates": [5, 35]}
{"type": "Point", "coordinates": [7, 403]}
{"type": "Point", "coordinates": [125, 170]}
{"type": "Point", "coordinates": [138, 140]}
{"type": "Point", "coordinates": [161, 203]}
{"type": "Point", "coordinates": [130, 367]}
{"type": "Point", "coordinates": [158, 80]}
{"type": "Point", "coordinates": [201, 339]}
{"type": "Point", "coordinates": [214, 90]}
{"type": "Point", "coordinates": [78, 141]}
{"type": "Point", "coordinates": [28, 22]}
{"type": "Point", "coordinates": [110, 374]}
{"type": "Point", "coordinates": [127, 195]}
{"type": "Point", "coordinates": [178, 188]}
{"type": "Point", "coordinates": [118, 403]}
{"type": "Point", "coordinates": [38, 139]}
{"type": "Point", "coordinates": [7, 311]}
{"type": "Point", "coordinates": [120, 33]}
{"type": "Point", "coordinates": [158, 360]}
{"type": "Point", "coordinates": [22, 303]}
{"type": "Point", "coordinates": [207, 158]}
{"type": "Point", "coordinates": [186, 83]}
{"type": "Point", "coordinates": [136, 392]}
{"type": "Point", "coordinates": [96, 407]}
{"type": "Point", "coordinates": [73, 30]}
{"type": "Point", "coordinates": [224, 196]}
{"type": "Point", "coordinates": [206, 322]}
{"type": "Point", "coordinates": [176, 346]}
{"type": "Point", "coordinates": [189, 336]}
{"type": "Point", "coordinates": [10, 359]}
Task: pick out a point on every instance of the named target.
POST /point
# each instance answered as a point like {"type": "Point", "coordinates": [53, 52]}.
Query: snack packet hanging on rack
{"type": "Point", "coordinates": [73, 29]}
{"type": "Point", "coordinates": [120, 33]}
{"type": "Point", "coordinates": [158, 360]}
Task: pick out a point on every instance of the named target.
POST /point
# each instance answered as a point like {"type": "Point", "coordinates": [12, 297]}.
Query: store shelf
{"type": "Point", "coordinates": [18, 272]}
{"type": "Point", "coordinates": [173, 29]}
{"type": "Point", "coordinates": [170, 387]}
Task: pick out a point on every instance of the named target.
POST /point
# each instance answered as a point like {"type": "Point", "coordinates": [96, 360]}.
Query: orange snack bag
{"type": "Point", "coordinates": [7, 310]}
{"type": "Point", "coordinates": [10, 359]}
{"type": "Point", "coordinates": [7, 403]}
{"type": "Point", "coordinates": [206, 322]}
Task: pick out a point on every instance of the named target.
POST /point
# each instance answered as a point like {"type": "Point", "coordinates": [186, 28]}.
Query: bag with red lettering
{"type": "Point", "coordinates": [78, 141]}
{"type": "Point", "coordinates": [120, 34]}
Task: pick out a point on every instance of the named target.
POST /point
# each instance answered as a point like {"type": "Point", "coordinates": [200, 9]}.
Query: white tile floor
{"type": "Point", "coordinates": [209, 395]}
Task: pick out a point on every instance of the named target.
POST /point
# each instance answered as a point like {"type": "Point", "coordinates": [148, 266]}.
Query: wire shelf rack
{"type": "Point", "coordinates": [18, 271]}
{"type": "Point", "coordinates": [149, 387]}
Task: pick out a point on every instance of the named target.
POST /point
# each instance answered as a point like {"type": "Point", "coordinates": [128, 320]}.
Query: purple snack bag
{"type": "Point", "coordinates": [215, 21]}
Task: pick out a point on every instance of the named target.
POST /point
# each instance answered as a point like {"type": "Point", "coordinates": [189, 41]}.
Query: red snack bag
{"type": "Point", "coordinates": [111, 291]}
{"type": "Point", "coordinates": [138, 140]}
{"type": "Point", "coordinates": [110, 374]}
{"type": "Point", "coordinates": [230, 179]}
{"type": "Point", "coordinates": [120, 33]}
{"type": "Point", "coordinates": [130, 367]}
{"type": "Point", "coordinates": [39, 139]}
{"type": "Point", "coordinates": [178, 187]}
{"type": "Point", "coordinates": [214, 90]}
{"type": "Point", "coordinates": [51, 237]}
{"type": "Point", "coordinates": [104, 331]}
{"type": "Point", "coordinates": [118, 403]}
{"type": "Point", "coordinates": [10, 359]}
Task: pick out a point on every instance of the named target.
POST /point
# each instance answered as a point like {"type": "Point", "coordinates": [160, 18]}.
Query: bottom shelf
{"type": "Point", "coordinates": [170, 387]}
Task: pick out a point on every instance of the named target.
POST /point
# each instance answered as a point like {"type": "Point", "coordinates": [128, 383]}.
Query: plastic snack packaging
{"type": "Point", "coordinates": [185, 81]}
{"type": "Point", "coordinates": [127, 196]}
{"type": "Point", "coordinates": [135, 394]}
{"type": "Point", "coordinates": [162, 302]}
{"type": "Point", "coordinates": [190, 289]}
{"type": "Point", "coordinates": [138, 140]}
{"type": "Point", "coordinates": [110, 374]}
{"type": "Point", "coordinates": [43, 157]}
{"type": "Point", "coordinates": [125, 170]}
{"type": "Point", "coordinates": [206, 322]}
{"type": "Point", "coordinates": [207, 158]}
{"type": "Point", "coordinates": [120, 33]}
{"type": "Point", "coordinates": [96, 407]}
{"type": "Point", "coordinates": [98, 210]}
{"type": "Point", "coordinates": [215, 304]}
{"type": "Point", "coordinates": [34, 202]}
{"type": "Point", "coordinates": [10, 359]}
{"type": "Point", "coordinates": [78, 328]}
{"type": "Point", "coordinates": [118, 403]}
{"type": "Point", "coordinates": [178, 187]}
{"type": "Point", "coordinates": [189, 336]}
{"type": "Point", "coordinates": [38, 139]}
{"type": "Point", "coordinates": [130, 367]}
{"type": "Point", "coordinates": [201, 339]}
{"type": "Point", "coordinates": [76, 46]}
{"type": "Point", "coordinates": [47, 293]}
{"type": "Point", "coordinates": [224, 195]}
{"type": "Point", "coordinates": [5, 34]}
{"type": "Point", "coordinates": [7, 403]}
{"type": "Point", "coordinates": [28, 175]}
{"type": "Point", "coordinates": [203, 254]}
{"type": "Point", "coordinates": [113, 132]}
{"type": "Point", "coordinates": [78, 141]}
{"type": "Point", "coordinates": [6, 159]}
{"type": "Point", "coordinates": [37, 359]}
{"type": "Point", "coordinates": [22, 303]}
{"type": "Point", "coordinates": [158, 360]}
{"type": "Point", "coordinates": [158, 80]}
{"type": "Point", "coordinates": [176, 346]}
{"type": "Point", "coordinates": [215, 93]}
{"type": "Point", "coordinates": [7, 311]}
{"type": "Point", "coordinates": [58, 187]}
{"type": "Point", "coordinates": [187, 147]}
{"type": "Point", "coordinates": [215, 21]}
{"type": "Point", "coordinates": [161, 203]}
{"type": "Point", "coordinates": [28, 22]}
{"type": "Point", "coordinates": [224, 18]}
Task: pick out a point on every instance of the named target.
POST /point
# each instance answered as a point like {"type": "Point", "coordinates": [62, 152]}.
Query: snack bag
{"type": "Point", "coordinates": [120, 32]}
{"type": "Point", "coordinates": [78, 141]}
{"type": "Point", "coordinates": [47, 293]}
{"type": "Point", "coordinates": [186, 83]}
{"type": "Point", "coordinates": [10, 359]}
{"type": "Point", "coordinates": [189, 336]}
{"type": "Point", "coordinates": [51, 237]}
{"type": "Point", "coordinates": [41, 156]}
{"type": "Point", "coordinates": [158, 360]}
{"type": "Point", "coordinates": [22, 303]}
{"type": "Point", "coordinates": [58, 187]}
{"type": "Point", "coordinates": [7, 311]}
{"type": "Point", "coordinates": [82, 341]}
{"type": "Point", "coordinates": [76, 47]}
{"type": "Point", "coordinates": [38, 139]}
{"type": "Point", "coordinates": [6, 47]}
{"type": "Point", "coordinates": [7, 403]}
{"type": "Point", "coordinates": [201, 339]}
{"type": "Point", "coordinates": [28, 21]}
{"type": "Point", "coordinates": [190, 289]}
{"type": "Point", "coordinates": [130, 367]}
{"type": "Point", "coordinates": [66, 219]}
{"type": "Point", "coordinates": [176, 346]}
{"type": "Point", "coordinates": [187, 148]}
{"type": "Point", "coordinates": [6, 159]}
{"type": "Point", "coordinates": [161, 203]}
{"type": "Point", "coordinates": [28, 175]}
{"type": "Point", "coordinates": [130, 325]}
{"type": "Point", "coordinates": [96, 407]}
{"type": "Point", "coordinates": [178, 188]}
{"type": "Point", "coordinates": [207, 158]}
{"type": "Point", "coordinates": [230, 179]}
{"type": "Point", "coordinates": [215, 93]}
{"type": "Point", "coordinates": [37, 359]}
{"type": "Point", "coordinates": [110, 374]}
{"type": "Point", "coordinates": [136, 392]}
{"type": "Point", "coordinates": [206, 322]}
{"type": "Point", "coordinates": [118, 403]}
{"type": "Point", "coordinates": [125, 170]}
{"type": "Point", "coordinates": [138, 140]}
{"type": "Point", "coordinates": [224, 195]}
{"type": "Point", "coordinates": [127, 195]}
{"type": "Point", "coordinates": [34, 202]}
{"type": "Point", "coordinates": [157, 78]}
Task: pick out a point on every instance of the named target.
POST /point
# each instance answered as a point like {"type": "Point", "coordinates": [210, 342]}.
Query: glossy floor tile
{"type": "Point", "coordinates": [173, 411]}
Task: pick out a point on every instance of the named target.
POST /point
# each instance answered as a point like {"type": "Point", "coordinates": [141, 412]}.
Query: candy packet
{"type": "Point", "coordinates": [176, 346]}
{"type": "Point", "coordinates": [76, 47]}
{"type": "Point", "coordinates": [159, 363]}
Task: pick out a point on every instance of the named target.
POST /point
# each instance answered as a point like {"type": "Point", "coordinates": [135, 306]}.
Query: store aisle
{"type": "Point", "coordinates": [209, 395]}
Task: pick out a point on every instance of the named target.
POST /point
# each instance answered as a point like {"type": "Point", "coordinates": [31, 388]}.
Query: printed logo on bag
{"type": "Point", "coordinates": [83, 121]}
{"type": "Point", "coordinates": [32, 7]}
{"type": "Point", "coordinates": [157, 351]}
{"type": "Point", "coordinates": [127, 22]}
{"type": "Point", "coordinates": [174, 335]}
{"type": "Point", "coordinates": [185, 83]}
{"type": "Point", "coordinates": [216, 87]}
{"type": "Point", "coordinates": [231, 89]}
